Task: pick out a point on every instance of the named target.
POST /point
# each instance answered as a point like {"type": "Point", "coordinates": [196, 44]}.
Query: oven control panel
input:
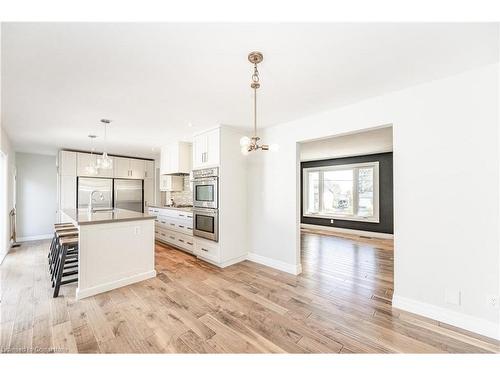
{"type": "Point", "coordinates": [209, 172]}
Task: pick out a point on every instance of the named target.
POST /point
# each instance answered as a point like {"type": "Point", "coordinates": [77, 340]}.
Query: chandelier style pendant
{"type": "Point", "coordinates": [250, 144]}
{"type": "Point", "coordinates": [104, 161]}
{"type": "Point", "coordinates": [91, 169]}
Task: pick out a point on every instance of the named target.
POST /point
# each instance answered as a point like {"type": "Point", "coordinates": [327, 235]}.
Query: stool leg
{"type": "Point", "coordinates": [59, 271]}
{"type": "Point", "coordinates": [51, 249]}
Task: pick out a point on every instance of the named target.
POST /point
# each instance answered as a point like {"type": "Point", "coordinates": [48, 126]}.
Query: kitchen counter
{"type": "Point", "coordinates": [185, 209]}
{"type": "Point", "coordinates": [115, 248]}
{"type": "Point", "coordinates": [83, 217]}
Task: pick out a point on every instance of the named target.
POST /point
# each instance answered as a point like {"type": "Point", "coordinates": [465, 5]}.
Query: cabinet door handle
{"type": "Point", "coordinates": [189, 228]}
{"type": "Point", "coordinates": [163, 234]}
{"type": "Point", "coordinates": [189, 243]}
{"type": "Point", "coordinates": [171, 237]}
{"type": "Point", "coordinates": [204, 249]}
{"type": "Point", "coordinates": [163, 222]}
{"type": "Point", "coordinates": [181, 240]}
{"type": "Point", "coordinates": [172, 224]}
{"type": "Point", "coordinates": [181, 226]}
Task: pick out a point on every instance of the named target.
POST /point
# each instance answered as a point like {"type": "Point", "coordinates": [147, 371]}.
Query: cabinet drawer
{"type": "Point", "coordinates": [207, 250]}
{"type": "Point", "coordinates": [186, 242]}
{"type": "Point", "coordinates": [153, 211]}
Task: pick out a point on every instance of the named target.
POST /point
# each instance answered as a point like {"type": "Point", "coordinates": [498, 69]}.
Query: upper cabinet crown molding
{"type": "Point", "coordinates": [176, 158]}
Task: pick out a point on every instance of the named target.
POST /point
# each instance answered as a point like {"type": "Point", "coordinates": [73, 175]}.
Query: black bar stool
{"type": "Point", "coordinates": [68, 250]}
{"type": "Point", "coordinates": [58, 231]}
{"type": "Point", "coordinates": [54, 258]}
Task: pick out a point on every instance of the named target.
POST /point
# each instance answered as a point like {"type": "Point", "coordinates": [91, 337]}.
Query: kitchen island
{"type": "Point", "coordinates": [116, 248]}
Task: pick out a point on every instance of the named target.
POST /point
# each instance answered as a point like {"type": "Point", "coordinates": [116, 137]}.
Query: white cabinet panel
{"type": "Point", "coordinates": [213, 145]}
{"type": "Point", "coordinates": [176, 158]}
{"type": "Point", "coordinates": [83, 161]}
{"type": "Point", "coordinates": [68, 192]}
{"type": "Point", "coordinates": [67, 163]}
{"type": "Point", "coordinates": [207, 250]}
{"type": "Point", "coordinates": [137, 168]}
{"type": "Point", "coordinates": [206, 149]}
{"type": "Point", "coordinates": [121, 167]}
{"type": "Point", "coordinates": [149, 169]}
{"type": "Point", "coordinates": [148, 191]}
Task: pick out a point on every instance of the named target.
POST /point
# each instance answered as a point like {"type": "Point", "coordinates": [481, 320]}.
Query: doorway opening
{"type": "Point", "coordinates": [346, 215]}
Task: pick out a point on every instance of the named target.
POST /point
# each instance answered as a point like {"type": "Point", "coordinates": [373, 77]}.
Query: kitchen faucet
{"type": "Point", "coordinates": [101, 198]}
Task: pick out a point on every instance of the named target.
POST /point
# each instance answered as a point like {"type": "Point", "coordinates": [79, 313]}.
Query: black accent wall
{"type": "Point", "coordinates": [386, 209]}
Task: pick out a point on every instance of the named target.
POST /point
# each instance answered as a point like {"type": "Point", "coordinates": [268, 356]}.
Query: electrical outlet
{"type": "Point", "coordinates": [331, 221]}
{"type": "Point", "coordinates": [494, 301]}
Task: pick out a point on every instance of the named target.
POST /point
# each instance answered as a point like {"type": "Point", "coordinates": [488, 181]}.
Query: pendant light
{"type": "Point", "coordinates": [104, 161]}
{"type": "Point", "coordinates": [91, 169]}
{"type": "Point", "coordinates": [250, 144]}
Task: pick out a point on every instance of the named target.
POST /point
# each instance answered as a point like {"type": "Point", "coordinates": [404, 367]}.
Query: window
{"type": "Point", "coordinates": [347, 192]}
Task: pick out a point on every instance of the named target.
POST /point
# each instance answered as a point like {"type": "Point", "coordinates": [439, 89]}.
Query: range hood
{"type": "Point", "coordinates": [176, 159]}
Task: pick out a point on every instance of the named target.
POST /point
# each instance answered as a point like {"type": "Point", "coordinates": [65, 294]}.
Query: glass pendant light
{"type": "Point", "coordinates": [250, 144]}
{"type": "Point", "coordinates": [104, 161]}
{"type": "Point", "coordinates": [91, 169]}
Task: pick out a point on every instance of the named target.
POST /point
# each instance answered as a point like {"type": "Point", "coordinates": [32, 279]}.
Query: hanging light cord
{"type": "Point", "coordinates": [255, 85]}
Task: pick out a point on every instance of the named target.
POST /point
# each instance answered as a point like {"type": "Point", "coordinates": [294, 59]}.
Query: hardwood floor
{"type": "Point", "coordinates": [340, 304]}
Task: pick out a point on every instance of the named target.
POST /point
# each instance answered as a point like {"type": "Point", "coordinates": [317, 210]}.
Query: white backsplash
{"type": "Point", "coordinates": [184, 197]}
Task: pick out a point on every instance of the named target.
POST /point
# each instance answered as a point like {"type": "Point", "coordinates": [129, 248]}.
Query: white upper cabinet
{"type": "Point", "coordinates": [121, 167]}
{"type": "Point", "coordinates": [176, 158]}
{"type": "Point", "coordinates": [206, 149]}
{"type": "Point", "coordinates": [83, 161]}
{"type": "Point", "coordinates": [129, 168]}
{"type": "Point", "coordinates": [149, 169]}
{"type": "Point", "coordinates": [67, 163]}
{"type": "Point", "coordinates": [137, 169]}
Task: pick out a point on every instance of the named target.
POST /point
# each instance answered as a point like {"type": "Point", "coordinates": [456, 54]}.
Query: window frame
{"type": "Point", "coordinates": [375, 218]}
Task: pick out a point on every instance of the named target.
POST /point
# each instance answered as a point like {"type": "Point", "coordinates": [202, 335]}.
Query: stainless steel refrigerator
{"type": "Point", "coordinates": [116, 193]}
{"type": "Point", "coordinates": [128, 195]}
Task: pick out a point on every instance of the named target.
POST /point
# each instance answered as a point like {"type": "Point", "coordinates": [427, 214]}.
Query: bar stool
{"type": "Point", "coordinates": [58, 231]}
{"type": "Point", "coordinates": [68, 248]}
{"type": "Point", "coordinates": [54, 258]}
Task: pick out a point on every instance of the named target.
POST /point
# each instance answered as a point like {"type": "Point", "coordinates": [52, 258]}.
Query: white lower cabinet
{"type": "Point", "coordinates": [207, 250]}
{"type": "Point", "coordinates": [174, 227]}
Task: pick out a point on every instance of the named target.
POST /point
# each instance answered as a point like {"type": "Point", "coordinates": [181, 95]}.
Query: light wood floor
{"type": "Point", "coordinates": [340, 304]}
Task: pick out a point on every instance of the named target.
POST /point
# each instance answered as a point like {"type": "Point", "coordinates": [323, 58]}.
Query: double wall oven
{"type": "Point", "coordinates": [205, 203]}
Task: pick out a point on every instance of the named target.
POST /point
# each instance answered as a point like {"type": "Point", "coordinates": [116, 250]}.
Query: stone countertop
{"type": "Point", "coordinates": [83, 217]}
{"type": "Point", "coordinates": [186, 209]}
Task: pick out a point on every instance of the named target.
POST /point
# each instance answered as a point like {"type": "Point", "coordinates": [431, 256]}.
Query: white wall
{"type": "Point", "coordinates": [369, 142]}
{"type": "Point", "coordinates": [6, 149]}
{"type": "Point", "coordinates": [36, 195]}
{"type": "Point", "coordinates": [446, 192]}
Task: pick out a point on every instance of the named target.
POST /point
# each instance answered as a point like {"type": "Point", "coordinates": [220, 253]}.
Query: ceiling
{"type": "Point", "coordinates": [152, 80]}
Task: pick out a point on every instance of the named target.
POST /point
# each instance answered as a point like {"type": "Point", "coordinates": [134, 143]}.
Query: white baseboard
{"type": "Point", "coordinates": [454, 318]}
{"type": "Point", "coordinates": [114, 284]}
{"type": "Point", "coordinates": [294, 269]}
{"type": "Point", "coordinates": [230, 262]}
{"type": "Point", "coordinates": [35, 238]}
{"type": "Point", "coordinates": [348, 231]}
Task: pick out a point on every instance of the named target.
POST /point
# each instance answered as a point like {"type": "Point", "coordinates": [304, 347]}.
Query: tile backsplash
{"type": "Point", "coordinates": [180, 197]}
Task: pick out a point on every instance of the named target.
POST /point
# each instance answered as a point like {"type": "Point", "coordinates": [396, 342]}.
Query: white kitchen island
{"type": "Point", "coordinates": [116, 248]}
